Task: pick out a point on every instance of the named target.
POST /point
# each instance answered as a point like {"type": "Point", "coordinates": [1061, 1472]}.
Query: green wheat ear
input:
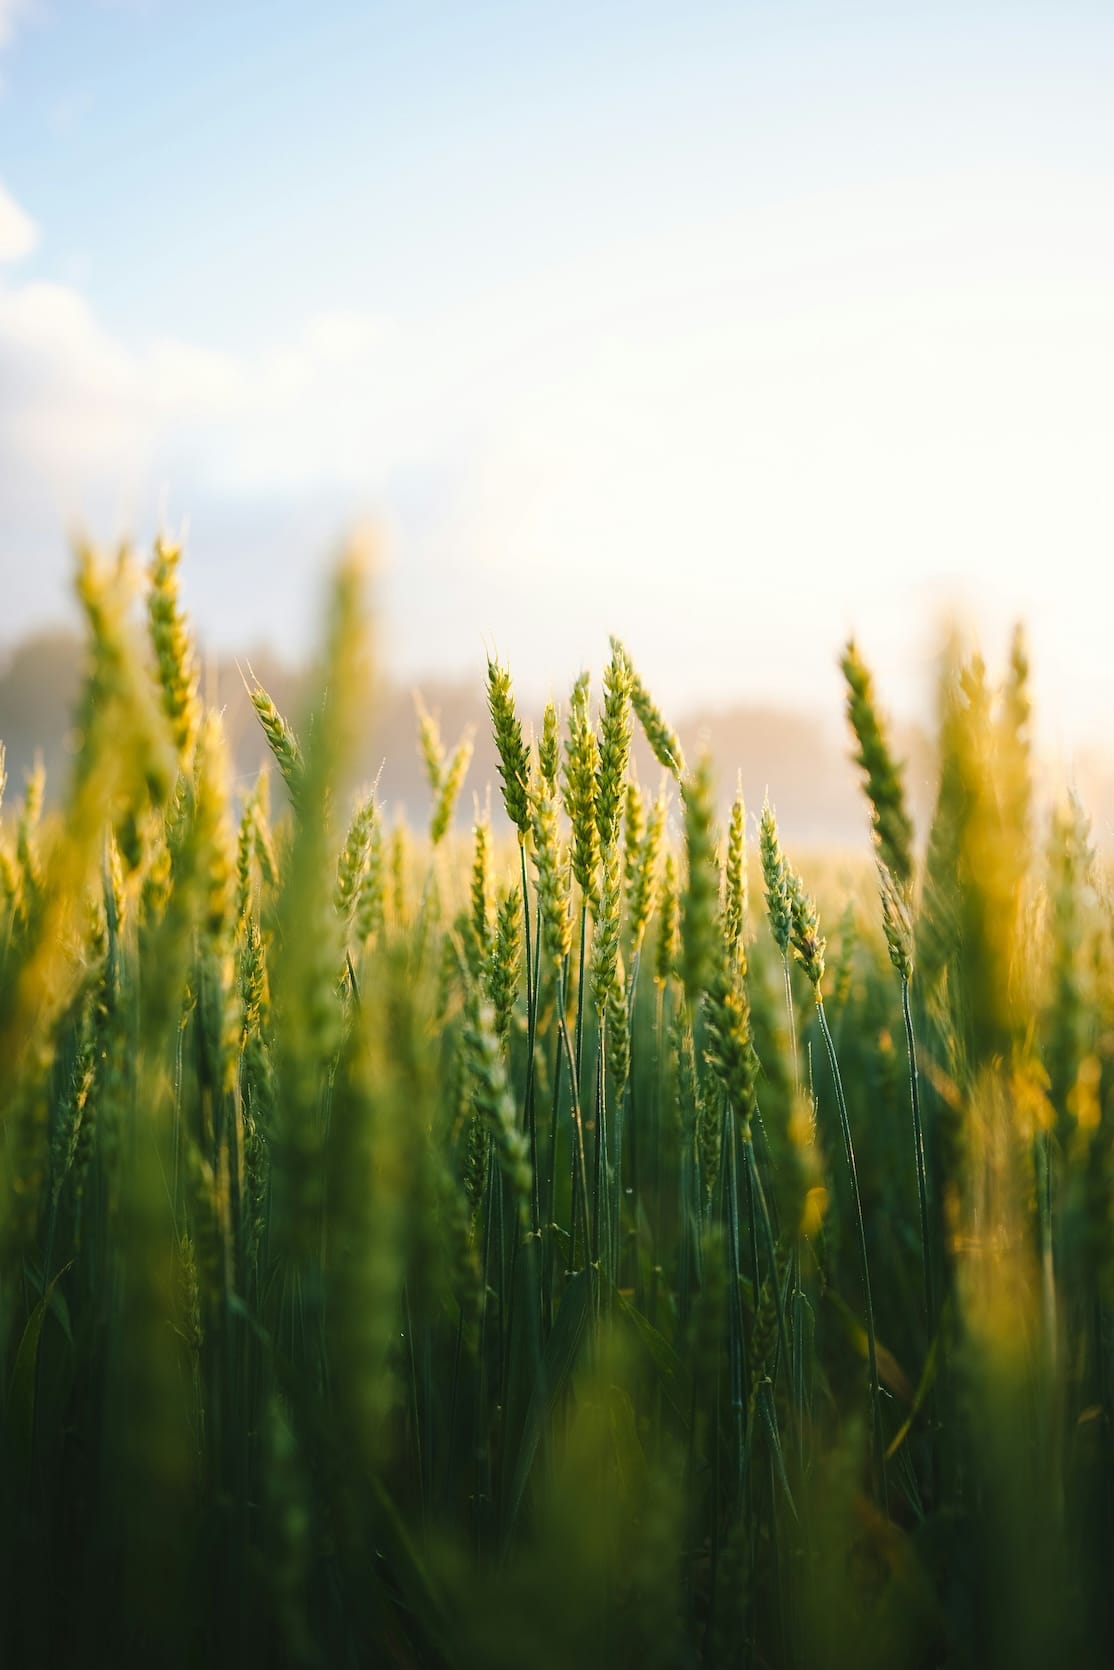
{"type": "Point", "coordinates": [493, 1100]}
{"type": "Point", "coordinates": [897, 921]}
{"type": "Point", "coordinates": [445, 773]}
{"type": "Point", "coordinates": [775, 874]}
{"type": "Point", "coordinates": [730, 1049]}
{"type": "Point", "coordinates": [643, 882]}
{"type": "Point", "coordinates": [514, 759]}
{"type": "Point", "coordinates": [605, 945]}
{"type": "Point", "coordinates": [212, 826]}
{"type": "Point", "coordinates": [890, 821]}
{"type": "Point", "coordinates": [615, 738]}
{"type": "Point", "coordinates": [808, 942]}
{"type": "Point", "coordinates": [669, 924]}
{"type": "Point", "coordinates": [735, 876]}
{"type": "Point", "coordinates": [481, 881]}
{"type": "Point", "coordinates": [551, 862]}
{"type": "Point", "coordinates": [281, 740]}
{"type": "Point", "coordinates": [634, 829]}
{"type": "Point", "coordinates": [451, 783]}
{"type": "Point", "coordinates": [582, 767]}
{"type": "Point", "coordinates": [548, 748]}
{"type": "Point", "coordinates": [371, 903]}
{"type": "Point", "coordinates": [662, 738]}
{"type": "Point", "coordinates": [353, 861]}
{"type": "Point", "coordinates": [430, 746]}
{"type": "Point", "coordinates": [618, 1031]}
{"type": "Point", "coordinates": [506, 962]}
{"type": "Point", "coordinates": [700, 931]}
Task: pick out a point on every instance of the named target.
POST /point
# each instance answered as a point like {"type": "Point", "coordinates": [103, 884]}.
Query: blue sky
{"type": "Point", "coordinates": [730, 328]}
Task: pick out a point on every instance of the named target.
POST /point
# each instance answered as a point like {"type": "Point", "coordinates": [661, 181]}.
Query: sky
{"type": "Point", "coordinates": [732, 329]}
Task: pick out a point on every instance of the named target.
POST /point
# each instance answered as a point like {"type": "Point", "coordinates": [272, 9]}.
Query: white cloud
{"type": "Point", "coordinates": [72, 402]}
{"type": "Point", "coordinates": [270, 454]}
{"type": "Point", "coordinates": [732, 452]}
{"type": "Point", "coordinates": [18, 232]}
{"type": "Point", "coordinates": [10, 13]}
{"type": "Point", "coordinates": [76, 403]}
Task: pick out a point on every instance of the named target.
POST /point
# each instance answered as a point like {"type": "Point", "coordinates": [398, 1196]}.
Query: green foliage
{"type": "Point", "coordinates": [382, 1283]}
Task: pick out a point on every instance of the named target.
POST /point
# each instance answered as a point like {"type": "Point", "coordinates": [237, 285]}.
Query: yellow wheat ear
{"type": "Point", "coordinates": [176, 660]}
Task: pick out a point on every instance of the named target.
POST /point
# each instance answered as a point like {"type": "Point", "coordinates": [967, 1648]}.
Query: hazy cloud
{"type": "Point", "coordinates": [18, 232]}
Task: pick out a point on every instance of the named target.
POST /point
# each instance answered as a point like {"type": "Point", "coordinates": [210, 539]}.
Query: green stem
{"type": "Point", "coordinates": [526, 919]}
{"type": "Point", "coordinates": [482, 1427]}
{"type": "Point", "coordinates": [796, 1293]}
{"type": "Point", "coordinates": [601, 1236]}
{"type": "Point", "coordinates": [529, 1110]}
{"type": "Point", "coordinates": [759, 1198]}
{"type": "Point", "coordinates": [575, 1068]}
{"type": "Point", "coordinates": [791, 1014]}
{"type": "Point", "coordinates": [625, 1112]}
{"type": "Point", "coordinates": [580, 1163]}
{"type": "Point", "coordinates": [580, 990]}
{"type": "Point", "coordinates": [922, 1172]}
{"type": "Point", "coordinates": [871, 1338]}
{"type": "Point", "coordinates": [736, 1330]}
{"type": "Point", "coordinates": [551, 1193]}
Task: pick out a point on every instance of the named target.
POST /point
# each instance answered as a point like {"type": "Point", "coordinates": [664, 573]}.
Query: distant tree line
{"type": "Point", "coordinates": [794, 756]}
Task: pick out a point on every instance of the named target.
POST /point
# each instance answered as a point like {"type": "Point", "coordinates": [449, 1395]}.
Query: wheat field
{"type": "Point", "coordinates": [590, 1240]}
